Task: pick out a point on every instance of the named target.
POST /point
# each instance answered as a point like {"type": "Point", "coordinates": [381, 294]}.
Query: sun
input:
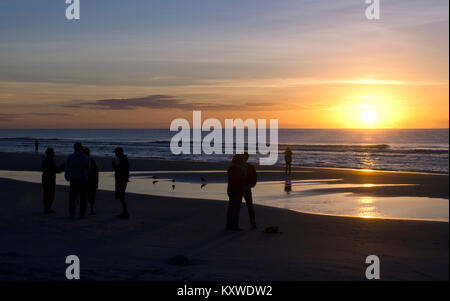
{"type": "Point", "coordinates": [369, 117]}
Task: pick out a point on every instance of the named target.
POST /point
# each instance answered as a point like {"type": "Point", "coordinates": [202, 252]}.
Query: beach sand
{"type": "Point", "coordinates": [33, 246]}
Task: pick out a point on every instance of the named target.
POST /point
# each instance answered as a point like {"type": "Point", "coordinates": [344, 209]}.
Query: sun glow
{"type": "Point", "coordinates": [369, 117]}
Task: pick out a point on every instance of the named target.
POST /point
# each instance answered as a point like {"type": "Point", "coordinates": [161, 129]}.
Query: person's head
{"type": "Point", "coordinates": [78, 147]}
{"type": "Point", "coordinates": [237, 159]}
{"type": "Point", "coordinates": [87, 151]}
{"type": "Point", "coordinates": [245, 157]}
{"type": "Point", "coordinates": [49, 152]}
{"type": "Point", "coordinates": [118, 151]}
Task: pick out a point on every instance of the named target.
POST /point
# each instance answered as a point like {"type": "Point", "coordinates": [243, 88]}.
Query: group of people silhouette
{"type": "Point", "coordinates": [81, 171]}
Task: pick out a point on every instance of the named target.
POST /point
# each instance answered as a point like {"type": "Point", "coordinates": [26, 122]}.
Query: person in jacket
{"type": "Point", "coordinates": [92, 180]}
{"type": "Point", "coordinates": [235, 193]}
{"type": "Point", "coordinates": [49, 171]}
{"type": "Point", "coordinates": [77, 172]}
{"type": "Point", "coordinates": [121, 175]}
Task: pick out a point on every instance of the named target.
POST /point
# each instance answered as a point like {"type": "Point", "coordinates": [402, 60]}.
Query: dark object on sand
{"type": "Point", "coordinates": [272, 230]}
{"type": "Point", "coordinates": [173, 187]}
{"type": "Point", "coordinates": [154, 182]}
{"type": "Point", "coordinates": [180, 260]}
{"type": "Point", "coordinates": [203, 185]}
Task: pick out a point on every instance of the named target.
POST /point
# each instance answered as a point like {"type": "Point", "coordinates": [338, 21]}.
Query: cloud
{"type": "Point", "coordinates": [12, 116]}
{"type": "Point", "coordinates": [161, 102]}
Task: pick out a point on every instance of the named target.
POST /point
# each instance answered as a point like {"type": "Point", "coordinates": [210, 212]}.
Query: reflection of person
{"type": "Point", "coordinates": [121, 175]}
{"type": "Point", "coordinates": [36, 146]}
{"type": "Point", "coordinates": [76, 172]}
{"type": "Point", "coordinates": [288, 186]}
{"type": "Point", "coordinates": [235, 192]}
{"type": "Point", "coordinates": [92, 180]}
{"type": "Point", "coordinates": [288, 159]}
{"type": "Point", "coordinates": [250, 179]}
{"type": "Point", "coordinates": [49, 171]}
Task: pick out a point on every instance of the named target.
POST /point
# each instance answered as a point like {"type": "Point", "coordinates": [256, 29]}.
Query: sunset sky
{"type": "Point", "coordinates": [143, 63]}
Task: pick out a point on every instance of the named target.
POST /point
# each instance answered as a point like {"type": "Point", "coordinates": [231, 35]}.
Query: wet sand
{"type": "Point", "coordinates": [33, 246]}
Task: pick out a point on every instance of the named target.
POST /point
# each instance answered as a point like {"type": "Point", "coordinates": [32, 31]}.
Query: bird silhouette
{"type": "Point", "coordinates": [173, 187]}
{"type": "Point", "coordinates": [203, 185]}
{"type": "Point", "coordinates": [154, 182]}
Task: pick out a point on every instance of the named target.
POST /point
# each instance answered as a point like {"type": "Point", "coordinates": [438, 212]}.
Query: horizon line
{"type": "Point", "coordinates": [281, 128]}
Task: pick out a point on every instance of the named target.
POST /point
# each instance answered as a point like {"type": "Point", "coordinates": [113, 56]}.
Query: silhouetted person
{"type": "Point", "coordinates": [49, 171]}
{"type": "Point", "coordinates": [76, 172]}
{"type": "Point", "coordinates": [92, 179]}
{"type": "Point", "coordinates": [121, 174]}
{"type": "Point", "coordinates": [250, 180]}
{"type": "Point", "coordinates": [235, 193]}
{"type": "Point", "coordinates": [288, 159]}
{"type": "Point", "coordinates": [36, 146]}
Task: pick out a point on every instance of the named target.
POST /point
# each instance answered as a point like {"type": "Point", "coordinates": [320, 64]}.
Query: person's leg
{"type": "Point", "coordinates": [121, 187]}
{"type": "Point", "coordinates": [45, 196]}
{"type": "Point", "coordinates": [83, 197]}
{"type": "Point", "coordinates": [91, 198]}
{"type": "Point", "coordinates": [229, 224]}
{"type": "Point", "coordinates": [72, 197]}
{"type": "Point", "coordinates": [237, 211]}
{"type": "Point", "coordinates": [251, 210]}
{"type": "Point", "coordinates": [51, 197]}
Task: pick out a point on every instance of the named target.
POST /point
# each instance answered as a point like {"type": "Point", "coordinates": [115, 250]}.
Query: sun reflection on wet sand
{"type": "Point", "coordinates": [367, 209]}
{"type": "Point", "coordinates": [297, 195]}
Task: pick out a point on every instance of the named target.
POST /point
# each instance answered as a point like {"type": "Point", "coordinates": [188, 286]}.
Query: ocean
{"type": "Point", "coordinates": [418, 150]}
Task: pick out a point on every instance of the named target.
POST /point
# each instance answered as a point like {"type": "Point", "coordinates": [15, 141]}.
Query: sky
{"type": "Point", "coordinates": [143, 63]}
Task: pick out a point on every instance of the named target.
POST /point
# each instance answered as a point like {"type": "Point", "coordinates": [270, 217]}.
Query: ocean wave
{"type": "Point", "coordinates": [367, 148]}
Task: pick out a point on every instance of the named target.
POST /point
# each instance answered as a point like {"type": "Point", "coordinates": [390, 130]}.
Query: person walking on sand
{"type": "Point", "coordinates": [121, 175]}
{"type": "Point", "coordinates": [76, 172]}
{"type": "Point", "coordinates": [36, 146]}
{"type": "Point", "coordinates": [250, 179]}
{"type": "Point", "coordinates": [49, 171]}
{"type": "Point", "coordinates": [288, 159]}
{"type": "Point", "coordinates": [92, 180]}
{"type": "Point", "coordinates": [235, 193]}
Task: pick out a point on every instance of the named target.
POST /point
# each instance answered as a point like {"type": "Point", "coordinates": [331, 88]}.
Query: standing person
{"type": "Point", "coordinates": [77, 171]}
{"type": "Point", "coordinates": [235, 193]}
{"type": "Point", "coordinates": [49, 171]}
{"type": "Point", "coordinates": [250, 180]}
{"type": "Point", "coordinates": [121, 174]}
{"type": "Point", "coordinates": [92, 179]}
{"type": "Point", "coordinates": [36, 146]}
{"type": "Point", "coordinates": [288, 159]}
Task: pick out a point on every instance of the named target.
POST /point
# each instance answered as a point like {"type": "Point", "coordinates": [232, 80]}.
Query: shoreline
{"type": "Point", "coordinates": [425, 185]}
